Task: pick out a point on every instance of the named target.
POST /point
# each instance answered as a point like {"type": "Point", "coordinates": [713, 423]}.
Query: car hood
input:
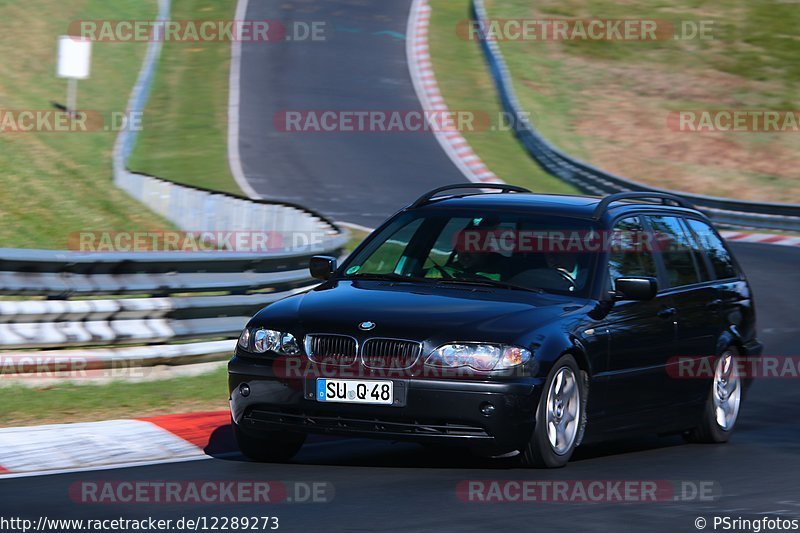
{"type": "Point", "coordinates": [416, 311]}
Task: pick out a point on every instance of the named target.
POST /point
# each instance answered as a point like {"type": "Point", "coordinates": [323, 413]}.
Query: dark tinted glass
{"type": "Point", "coordinates": [697, 251]}
{"type": "Point", "coordinates": [675, 247]}
{"type": "Point", "coordinates": [720, 258]}
{"type": "Point", "coordinates": [525, 250]}
{"type": "Point", "coordinates": [628, 257]}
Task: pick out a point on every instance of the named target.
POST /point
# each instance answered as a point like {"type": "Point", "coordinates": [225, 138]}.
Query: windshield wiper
{"type": "Point", "coordinates": [490, 283]}
{"type": "Point", "coordinates": [389, 276]}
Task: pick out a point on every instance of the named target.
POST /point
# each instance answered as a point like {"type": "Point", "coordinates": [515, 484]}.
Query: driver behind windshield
{"type": "Point", "coordinates": [526, 251]}
{"type": "Point", "coordinates": [560, 271]}
{"type": "Point", "coordinates": [469, 260]}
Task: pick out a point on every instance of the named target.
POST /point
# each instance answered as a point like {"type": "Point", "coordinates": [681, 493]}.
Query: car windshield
{"type": "Point", "coordinates": [505, 250]}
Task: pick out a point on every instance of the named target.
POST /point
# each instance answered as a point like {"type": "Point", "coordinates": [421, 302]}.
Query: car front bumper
{"type": "Point", "coordinates": [445, 411]}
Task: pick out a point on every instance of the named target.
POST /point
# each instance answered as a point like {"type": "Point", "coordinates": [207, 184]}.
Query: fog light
{"type": "Point", "coordinates": [244, 389]}
{"type": "Point", "coordinates": [487, 409]}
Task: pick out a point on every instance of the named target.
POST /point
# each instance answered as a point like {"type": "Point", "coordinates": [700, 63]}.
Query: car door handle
{"type": "Point", "coordinates": [666, 312]}
{"type": "Point", "coordinates": [714, 304]}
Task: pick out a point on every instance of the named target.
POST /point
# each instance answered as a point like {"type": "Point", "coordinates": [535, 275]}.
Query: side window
{"type": "Point", "coordinates": [697, 252]}
{"type": "Point", "coordinates": [720, 258]}
{"type": "Point", "coordinates": [389, 256]}
{"type": "Point", "coordinates": [628, 256]}
{"type": "Point", "coordinates": [675, 247]}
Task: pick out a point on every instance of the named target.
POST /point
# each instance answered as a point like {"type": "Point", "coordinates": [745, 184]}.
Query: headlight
{"type": "Point", "coordinates": [482, 357]}
{"type": "Point", "coordinates": [289, 344]}
{"type": "Point", "coordinates": [268, 340]}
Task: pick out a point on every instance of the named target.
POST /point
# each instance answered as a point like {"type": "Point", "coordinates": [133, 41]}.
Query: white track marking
{"type": "Point", "coordinates": [761, 238]}
{"type": "Point", "coordinates": [91, 444]}
{"type": "Point", "coordinates": [103, 467]}
{"type": "Point", "coordinates": [234, 97]}
{"type": "Point", "coordinates": [357, 227]}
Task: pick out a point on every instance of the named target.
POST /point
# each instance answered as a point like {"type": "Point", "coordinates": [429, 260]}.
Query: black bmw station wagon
{"type": "Point", "coordinates": [515, 324]}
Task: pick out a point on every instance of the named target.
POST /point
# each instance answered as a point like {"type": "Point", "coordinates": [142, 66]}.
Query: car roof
{"type": "Point", "coordinates": [551, 204]}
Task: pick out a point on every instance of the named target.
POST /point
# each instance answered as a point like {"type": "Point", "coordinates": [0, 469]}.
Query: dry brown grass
{"type": "Point", "coordinates": [608, 103]}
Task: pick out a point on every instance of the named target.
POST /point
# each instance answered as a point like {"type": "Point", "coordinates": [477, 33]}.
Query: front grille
{"type": "Point", "coordinates": [331, 349]}
{"type": "Point", "coordinates": [390, 354]}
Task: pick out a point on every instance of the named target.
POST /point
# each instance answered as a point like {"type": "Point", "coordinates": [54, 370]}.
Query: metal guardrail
{"type": "Point", "coordinates": [70, 323]}
{"type": "Point", "coordinates": [158, 301]}
{"type": "Point", "coordinates": [592, 180]}
{"type": "Point", "coordinates": [196, 209]}
{"type": "Point", "coordinates": [83, 365]}
{"type": "Point", "coordinates": [58, 274]}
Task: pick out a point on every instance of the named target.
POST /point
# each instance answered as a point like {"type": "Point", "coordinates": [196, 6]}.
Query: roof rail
{"type": "Point", "coordinates": [604, 204]}
{"type": "Point", "coordinates": [428, 196]}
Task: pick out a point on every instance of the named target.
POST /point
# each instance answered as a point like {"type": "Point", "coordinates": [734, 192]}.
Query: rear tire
{"type": "Point", "coordinates": [722, 405]}
{"type": "Point", "coordinates": [560, 417]}
{"type": "Point", "coordinates": [269, 447]}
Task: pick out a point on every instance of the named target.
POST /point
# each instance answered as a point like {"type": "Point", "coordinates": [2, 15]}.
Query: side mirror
{"type": "Point", "coordinates": [640, 289]}
{"type": "Point", "coordinates": [322, 267]}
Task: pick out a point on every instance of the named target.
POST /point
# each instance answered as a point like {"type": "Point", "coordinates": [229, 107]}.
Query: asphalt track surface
{"type": "Point", "coordinates": [388, 486]}
{"type": "Point", "coordinates": [356, 177]}
{"type": "Point", "coordinates": [381, 485]}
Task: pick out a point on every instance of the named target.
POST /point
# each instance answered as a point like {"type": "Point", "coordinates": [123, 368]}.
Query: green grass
{"type": "Point", "coordinates": [356, 236]}
{"type": "Point", "coordinates": [466, 86]}
{"type": "Point", "coordinates": [607, 102]}
{"type": "Point", "coordinates": [184, 138]}
{"type": "Point", "coordinates": [54, 184]}
{"type": "Point", "coordinates": [82, 403]}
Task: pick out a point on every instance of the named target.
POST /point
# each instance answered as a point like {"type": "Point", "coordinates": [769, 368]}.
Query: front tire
{"type": "Point", "coordinates": [560, 417]}
{"type": "Point", "coordinates": [724, 399]}
{"type": "Point", "coordinates": [272, 447]}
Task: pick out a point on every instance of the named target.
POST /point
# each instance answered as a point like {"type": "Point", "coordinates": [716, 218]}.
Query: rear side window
{"type": "Point", "coordinates": [675, 247]}
{"type": "Point", "coordinates": [721, 260]}
{"type": "Point", "coordinates": [629, 257]}
{"type": "Point", "coordinates": [697, 252]}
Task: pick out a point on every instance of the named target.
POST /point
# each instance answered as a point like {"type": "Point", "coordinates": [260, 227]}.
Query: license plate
{"type": "Point", "coordinates": [355, 391]}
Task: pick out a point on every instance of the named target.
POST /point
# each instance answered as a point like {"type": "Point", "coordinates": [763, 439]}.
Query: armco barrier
{"type": "Point", "coordinates": [197, 209]}
{"type": "Point", "coordinates": [592, 180]}
{"type": "Point", "coordinates": [153, 299]}
{"type": "Point", "coordinates": [36, 364]}
{"type": "Point", "coordinates": [71, 323]}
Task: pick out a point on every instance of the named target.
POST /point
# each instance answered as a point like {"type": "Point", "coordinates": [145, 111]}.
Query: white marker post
{"type": "Point", "coordinates": [74, 59]}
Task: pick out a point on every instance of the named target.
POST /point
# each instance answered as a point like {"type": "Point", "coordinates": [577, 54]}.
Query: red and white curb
{"type": "Point", "coordinates": [761, 238]}
{"type": "Point", "coordinates": [56, 448]}
{"type": "Point", "coordinates": [427, 89]}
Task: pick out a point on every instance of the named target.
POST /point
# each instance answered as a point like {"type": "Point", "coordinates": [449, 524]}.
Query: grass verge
{"type": "Point", "coordinates": [57, 183]}
{"type": "Point", "coordinates": [608, 102]}
{"type": "Point", "coordinates": [184, 137]}
{"type": "Point", "coordinates": [356, 237]}
{"type": "Point", "coordinates": [64, 403]}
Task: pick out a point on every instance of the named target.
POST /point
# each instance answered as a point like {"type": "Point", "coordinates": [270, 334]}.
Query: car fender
{"type": "Point", "coordinates": [553, 347]}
